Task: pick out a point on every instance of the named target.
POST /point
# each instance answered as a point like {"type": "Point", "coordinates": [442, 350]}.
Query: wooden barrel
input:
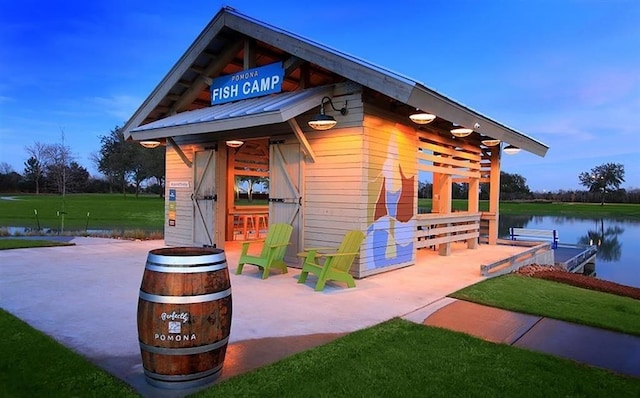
{"type": "Point", "coordinates": [184, 316]}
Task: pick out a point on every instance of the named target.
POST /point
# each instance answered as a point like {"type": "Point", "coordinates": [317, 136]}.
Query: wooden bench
{"type": "Point", "coordinates": [530, 234]}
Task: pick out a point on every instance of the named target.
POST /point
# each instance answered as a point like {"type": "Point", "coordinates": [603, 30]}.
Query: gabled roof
{"type": "Point", "coordinates": [215, 50]}
{"type": "Point", "coordinates": [271, 109]}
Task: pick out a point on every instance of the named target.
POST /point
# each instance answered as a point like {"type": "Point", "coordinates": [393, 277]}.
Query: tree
{"type": "Point", "coordinates": [125, 161]}
{"type": "Point", "coordinates": [57, 159]}
{"type": "Point", "coordinates": [156, 165]}
{"type": "Point", "coordinates": [115, 157]}
{"type": "Point", "coordinates": [33, 173]}
{"type": "Point", "coordinates": [77, 178]}
{"type": "Point", "coordinates": [604, 178]}
{"type": "Point", "coordinates": [9, 179]}
{"type": "Point", "coordinates": [37, 166]}
{"type": "Point", "coordinates": [513, 186]}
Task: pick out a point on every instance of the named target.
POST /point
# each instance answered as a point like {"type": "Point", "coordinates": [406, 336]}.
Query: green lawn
{"type": "Point", "coordinates": [556, 300]}
{"type": "Point", "coordinates": [34, 365]}
{"type": "Point", "coordinates": [609, 210]}
{"type": "Point", "coordinates": [402, 359]}
{"type": "Point", "coordinates": [106, 211]}
{"type": "Point", "coordinates": [8, 243]}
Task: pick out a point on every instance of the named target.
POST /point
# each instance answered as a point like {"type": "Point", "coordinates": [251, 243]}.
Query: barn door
{"type": "Point", "coordinates": [286, 192]}
{"type": "Point", "coordinates": [204, 198]}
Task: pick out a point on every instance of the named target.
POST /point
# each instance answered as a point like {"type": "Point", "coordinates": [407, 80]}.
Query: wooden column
{"type": "Point", "coordinates": [444, 193]}
{"type": "Point", "coordinates": [494, 195]}
{"type": "Point", "coordinates": [474, 206]}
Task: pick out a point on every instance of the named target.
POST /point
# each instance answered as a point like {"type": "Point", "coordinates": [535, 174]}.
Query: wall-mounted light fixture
{"type": "Point", "coordinates": [490, 142]}
{"type": "Point", "coordinates": [422, 117]}
{"type": "Point", "coordinates": [511, 150]}
{"type": "Point", "coordinates": [234, 143]}
{"type": "Point", "coordinates": [325, 122]}
{"type": "Point", "coordinates": [461, 131]}
{"type": "Point", "coordinates": [150, 144]}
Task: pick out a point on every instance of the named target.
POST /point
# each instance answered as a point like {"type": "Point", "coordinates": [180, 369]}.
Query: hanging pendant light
{"type": "Point", "coordinates": [422, 117]}
{"type": "Point", "coordinates": [234, 143]}
{"type": "Point", "coordinates": [461, 132]}
{"type": "Point", "coordinates": [511, 150]}
{"type": "Point", "coordinates": [490, 142]}
{"type": "Point", "coordinates": [150, 144]}
{"type": "Point", "coordinates": [323, 121]}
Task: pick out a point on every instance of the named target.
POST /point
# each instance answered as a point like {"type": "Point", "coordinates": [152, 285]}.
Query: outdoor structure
{"type": "Point", "coordinates": [244, 100]}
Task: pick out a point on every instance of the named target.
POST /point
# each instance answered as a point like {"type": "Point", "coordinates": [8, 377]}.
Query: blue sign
{"type": "Point", "coordinates": [172, 195]}
{"type": "Point", "coordinates": [248, 83]}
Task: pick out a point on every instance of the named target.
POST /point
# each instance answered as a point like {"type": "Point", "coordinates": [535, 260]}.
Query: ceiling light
{"type": "Point", "coordinates": [422, 117]}
{"type": "Point", "coordinates": [490, 142]}
{"type": "Point", "coordinates": [511, 150]}
{"type": "Point", "coordinates": [461, 131]}
{"type": "Point", "coordinates": [325, 122]}
{"type": "Point", "coordinates": [234, 143]}
{"type": "Point", "coordinates": [150, 144]}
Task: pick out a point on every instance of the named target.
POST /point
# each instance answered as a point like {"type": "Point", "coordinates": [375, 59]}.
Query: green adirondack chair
{"type": "Point", "coordinates": [273, 250]}
{"type": "Point", "coordinates": [336, 265]}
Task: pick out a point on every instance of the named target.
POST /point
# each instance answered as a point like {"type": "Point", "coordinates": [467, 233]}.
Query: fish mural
{"type": "Point", "coordinates": [392, 196]}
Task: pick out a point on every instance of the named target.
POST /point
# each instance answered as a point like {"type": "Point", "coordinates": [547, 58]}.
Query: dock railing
{"type": "Point", "coordinates": [540, 253]}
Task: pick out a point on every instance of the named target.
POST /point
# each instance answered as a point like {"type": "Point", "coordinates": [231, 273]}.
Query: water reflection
{"type": "Point", "coordinates": [609, 234]}
{"type": "Point", "coordinates": [609, 247]}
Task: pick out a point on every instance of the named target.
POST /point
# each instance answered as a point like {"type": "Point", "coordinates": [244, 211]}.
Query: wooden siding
{"type": "Point", "coordinates": [177, 171]}
{"type": "Point", "coordinates": [389, 161]}
{"type": "Point", "coordinates": [334, 183]}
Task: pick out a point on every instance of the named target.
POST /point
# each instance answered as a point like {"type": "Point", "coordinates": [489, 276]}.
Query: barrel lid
{"type": "Point", "coordinates": [185, 256]}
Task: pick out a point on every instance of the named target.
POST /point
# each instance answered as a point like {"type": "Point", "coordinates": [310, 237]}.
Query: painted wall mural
{"type": "Point", "coordinates": [392, 196]}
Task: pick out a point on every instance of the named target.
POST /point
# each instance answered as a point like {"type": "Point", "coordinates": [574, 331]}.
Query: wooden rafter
{"type": "Point", "coordinates": [214, 68]}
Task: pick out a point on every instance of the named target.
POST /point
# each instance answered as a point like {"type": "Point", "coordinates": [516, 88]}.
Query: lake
{"type": "Point", "coordinates": [618, 241]}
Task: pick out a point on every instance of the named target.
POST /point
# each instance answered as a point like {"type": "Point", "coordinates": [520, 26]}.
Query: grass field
{"type": "Point", "coordinates": [35, 365]}
{"type": "Point", "coordinates": [576, 210]}
{"type": "Point", "coordinates": [84, 211]}
{"type": "Point", "coordinates": [556, 300]}
{"type": "Point", "coordinates": [9, 243]}
{"type": "Point", "coordinates": [146, 213]}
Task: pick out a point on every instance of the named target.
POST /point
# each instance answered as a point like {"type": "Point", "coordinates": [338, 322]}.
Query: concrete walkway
{"type": "Point", "coordinates": [85, 296]}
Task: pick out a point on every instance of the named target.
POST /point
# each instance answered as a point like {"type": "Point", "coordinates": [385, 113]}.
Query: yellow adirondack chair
{"type": "Point", "coordinates": [273, 250]}
{"type": "Point", "coordinates": [336, 265]}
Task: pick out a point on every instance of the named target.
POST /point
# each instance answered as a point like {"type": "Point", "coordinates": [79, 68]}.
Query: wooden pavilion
{"type": "Point", "coordinates": [239, 103]}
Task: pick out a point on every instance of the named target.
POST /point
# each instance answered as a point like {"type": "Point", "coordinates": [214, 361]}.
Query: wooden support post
{"type": "Point", "coordinates": [179, 151]}
{"type": "Point", "coordinates": [444, 206]}
{"type": "Point", "coordinates": [306, 147]}
{"type": "Point", "coordinates": [494, 195]}
{"type": "Point", "coordinates": [474, 206]}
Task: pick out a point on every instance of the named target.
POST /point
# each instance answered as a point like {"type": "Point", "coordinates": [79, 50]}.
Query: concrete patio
{"type": "Point", "coordinates": [85, 296]}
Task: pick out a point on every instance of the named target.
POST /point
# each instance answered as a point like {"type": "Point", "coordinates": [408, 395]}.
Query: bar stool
{"type": "Point", "coordinates": [261, 223]}
{"type": "Point", "coordinates": [248, 225]}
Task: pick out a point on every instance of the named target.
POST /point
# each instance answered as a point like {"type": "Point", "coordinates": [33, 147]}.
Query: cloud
{"type": "Point", "coordinates": [120, 106]}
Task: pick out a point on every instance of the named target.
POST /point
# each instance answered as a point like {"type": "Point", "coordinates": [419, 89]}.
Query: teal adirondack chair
{"type": "Point", "coordinates": [273, 250]}
{"type": "Point", "coordinates": [336, 265]}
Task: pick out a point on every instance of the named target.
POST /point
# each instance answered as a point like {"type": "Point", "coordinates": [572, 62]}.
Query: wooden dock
{"type": "Point", "coordinates": [576, 258]}
{"type": "Point", "coordinates": [571, 257]}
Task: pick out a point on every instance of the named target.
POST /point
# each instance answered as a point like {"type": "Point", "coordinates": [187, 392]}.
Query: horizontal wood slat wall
{"type": "Point", "coordinates": [447, 156]}
{"type": "Point", "coordinates": [334, 183]}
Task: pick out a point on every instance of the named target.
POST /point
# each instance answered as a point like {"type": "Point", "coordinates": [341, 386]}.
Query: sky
{"type": "Point", "coordinates": [565, 72]}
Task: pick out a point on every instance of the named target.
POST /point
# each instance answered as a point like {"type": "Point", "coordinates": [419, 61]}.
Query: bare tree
{"type": "Point", "coordinates": [58, 158]}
